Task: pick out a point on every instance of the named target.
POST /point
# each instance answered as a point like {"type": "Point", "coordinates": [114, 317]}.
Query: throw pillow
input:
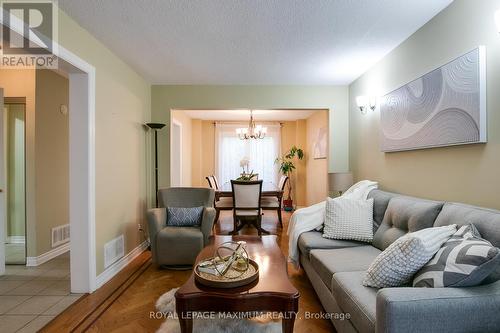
{"type": "Point", "coordinates": [349, 219]}
{"type": "Point", "coordinates": [465, 260]}
{"type": "Point", "coordinates": [184, 217]}
{"type": "Point", "coordinates": [397, 264]}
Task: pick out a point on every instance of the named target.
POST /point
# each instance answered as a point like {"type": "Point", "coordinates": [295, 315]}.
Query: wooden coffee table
{"type": "Point", "coordinates": [272, 292]}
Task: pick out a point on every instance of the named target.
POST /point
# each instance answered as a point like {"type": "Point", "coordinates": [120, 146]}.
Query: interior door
{"type": "Point", "coordinates": [3, 194]}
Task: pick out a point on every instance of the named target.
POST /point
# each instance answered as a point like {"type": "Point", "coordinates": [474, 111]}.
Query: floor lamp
{"type": "Point", "coordinates": [156, 127]}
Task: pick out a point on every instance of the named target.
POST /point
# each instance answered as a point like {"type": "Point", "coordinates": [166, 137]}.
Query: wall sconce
{"type": "Point", "coordinates": [365, 102]}
{"type": "Point", "coordinates": [497, 19]}
{"type": "Point", "coordinates": [362, 102]}
{"type": "Point", "coordinates": [373, 103]}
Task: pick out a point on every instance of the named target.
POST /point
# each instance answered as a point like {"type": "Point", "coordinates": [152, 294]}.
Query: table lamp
{"type": "Point", "coordinates": [339, 181]}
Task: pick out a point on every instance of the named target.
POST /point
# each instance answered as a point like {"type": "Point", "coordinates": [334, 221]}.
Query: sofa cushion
{"type": "Point", "coordinates": [354, 298]}
{"type": "Point", "coordinates": [178, 245]}
{"type": "Point", "coordinates": [314, 240]}
{"type": "Point", "coordinates": [405, 214]}
{"type": "Point", "coordinates": [487, 221]}
{"type": "Point", "coordinates": [328, 262]}
{"type": "Point", "coordinates": [380, 201]}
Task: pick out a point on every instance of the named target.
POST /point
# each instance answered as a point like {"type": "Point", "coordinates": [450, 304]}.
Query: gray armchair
{"type": "Point", "coordinates": [179, 246]}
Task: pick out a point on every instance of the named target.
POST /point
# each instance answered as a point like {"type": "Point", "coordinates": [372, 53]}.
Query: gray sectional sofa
{"type": "Point", "coordinates": [336, 269]}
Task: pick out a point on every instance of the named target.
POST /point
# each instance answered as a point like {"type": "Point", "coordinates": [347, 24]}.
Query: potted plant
{"type": "Point", "coordinates": [286, 167]}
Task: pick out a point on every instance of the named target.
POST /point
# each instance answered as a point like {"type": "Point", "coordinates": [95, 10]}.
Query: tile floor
{"type": "Point", "coordinates": [31, 296]}
{"type": "Point", "coordinates": [15, 253]}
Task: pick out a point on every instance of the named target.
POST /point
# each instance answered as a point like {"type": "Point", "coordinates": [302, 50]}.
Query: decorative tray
{"type": "Point", "coordinates": [232, 279]}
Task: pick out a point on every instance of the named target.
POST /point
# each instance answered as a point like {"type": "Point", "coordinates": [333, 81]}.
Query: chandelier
{"type": "Point", "coordinates": [252, 131]}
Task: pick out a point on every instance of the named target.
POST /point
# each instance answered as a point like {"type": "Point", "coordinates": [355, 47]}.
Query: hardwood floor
{"type": "Point", "coordinates": [128, 309]}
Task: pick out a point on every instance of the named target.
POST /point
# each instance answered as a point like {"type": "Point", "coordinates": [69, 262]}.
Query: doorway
{"type": "Point", "coordinates": [14, 115]}
{"type": "Point", "coordinates": [176, 155]}
{"type": "Point", "coordinates": [82, 199]}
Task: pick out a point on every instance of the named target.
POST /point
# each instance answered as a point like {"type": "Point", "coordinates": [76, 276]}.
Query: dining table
{"type": "Point", "coordinates": [269, 189]}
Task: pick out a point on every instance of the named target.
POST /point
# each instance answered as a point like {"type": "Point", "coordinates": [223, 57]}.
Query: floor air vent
{"type": "Point", "coordinates": [60, 235]}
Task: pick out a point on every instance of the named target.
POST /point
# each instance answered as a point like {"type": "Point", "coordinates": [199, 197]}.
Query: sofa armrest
{"type": "Point", "coordinates": [473, 309]}
{"type": "Point", "coordinates": [157, 219]}
{"type": "Point", "coordinates": [207, 223]}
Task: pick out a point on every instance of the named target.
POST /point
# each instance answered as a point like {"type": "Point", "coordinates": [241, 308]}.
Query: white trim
{"type": "Point", "coordinates": [116, 267]}
{"type": "Point", "coordinates": [176, 123]}
{"type": "Point", "coordinates": [16, 239]}
{"type": "Point", "coordinates": [43, 258]}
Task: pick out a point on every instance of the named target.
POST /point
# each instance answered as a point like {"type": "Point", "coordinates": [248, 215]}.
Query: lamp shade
{"type": "Point", "coordinates": [155, 126]}
{"type": "Point", "coordinates": [339, 181]}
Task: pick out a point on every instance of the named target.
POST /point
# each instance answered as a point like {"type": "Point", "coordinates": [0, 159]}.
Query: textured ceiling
{"type": "Point", "coordinates": [252, 41]}
{"type": "Point", "coordinates": [244, 115]}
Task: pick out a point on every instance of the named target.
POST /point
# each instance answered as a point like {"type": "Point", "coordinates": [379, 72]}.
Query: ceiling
{"type": "Point", "coordinates": [252, 42]}
{"type": "Point", "coordinates": [243, 115]}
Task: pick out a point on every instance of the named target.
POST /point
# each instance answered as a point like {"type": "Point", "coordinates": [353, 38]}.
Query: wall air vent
{"type": "Point", "coordinates": [60, 235]}
{"type": "Point", "coordinates": [113, 251]}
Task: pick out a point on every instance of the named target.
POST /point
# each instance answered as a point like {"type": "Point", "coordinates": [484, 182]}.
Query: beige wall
{"type": "Point", "coordinates": [186, 141]}
{"type": "Point", "coordinates": [333, 98]}
{"type": "Point", "coordinates": [293, 133]}
{"type": "Point", "coordinates": [124, 181]}
{"type": "Point", "coordinates": [316, 169]}
{"type": "Point", "coordinates": [52, 156]}
{"type": "Point", "coordinates": [203, 148]}
{"type": "Point", "coordinates": [463, 173]}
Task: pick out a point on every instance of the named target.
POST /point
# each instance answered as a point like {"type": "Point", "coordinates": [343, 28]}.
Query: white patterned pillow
{"type": "Point", "coordinates": [397, 264]}
{"type": "Point", "coordinates": [465, 260]}
{"type": "Point", "coordinates": [349, 219]}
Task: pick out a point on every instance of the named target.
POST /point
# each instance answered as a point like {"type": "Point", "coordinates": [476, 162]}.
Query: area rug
{"type": "Point", "coordinates": [166, 305]}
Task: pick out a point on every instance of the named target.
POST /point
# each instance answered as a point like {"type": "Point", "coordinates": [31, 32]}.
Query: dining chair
{"type": "Point", "coordinates": [216, 181]}
{"type": "Point", "coordinates": [211, 182]}
{"type": "Point", "coordinates": [274, 203]}
{"type": "Point", "coordinates": [220, 203]}
{"type": "Point", "coordinates": [247, 208]}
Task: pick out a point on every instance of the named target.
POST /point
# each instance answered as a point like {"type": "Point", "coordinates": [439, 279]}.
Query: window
{"type": "Point", "coordinates": [262, 153]}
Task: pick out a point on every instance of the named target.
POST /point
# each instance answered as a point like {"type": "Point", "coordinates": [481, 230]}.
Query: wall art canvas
{"type": "Point", "coordinates": [320, 144]}
{"type": "Point", "coordinates": [442, 108]}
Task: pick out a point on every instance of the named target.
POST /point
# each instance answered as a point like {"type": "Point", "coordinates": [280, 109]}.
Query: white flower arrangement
{"type": "Point", "coordinates": [245, 162]}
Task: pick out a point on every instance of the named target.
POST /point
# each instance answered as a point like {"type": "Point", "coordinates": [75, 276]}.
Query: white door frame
{"type": "Point", "coordinates": [173, 123]}
{"type": "Point", "coordinates": [81, 164]}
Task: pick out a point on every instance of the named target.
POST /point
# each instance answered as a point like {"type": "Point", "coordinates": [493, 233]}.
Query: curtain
{"type": "Point", "coordinates": [262, 153]}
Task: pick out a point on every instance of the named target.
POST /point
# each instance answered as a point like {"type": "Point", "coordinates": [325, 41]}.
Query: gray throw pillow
{"type": "Point", "coordinates": [465, 260]}
{"type": "Point", "coordinates": [184, 217]}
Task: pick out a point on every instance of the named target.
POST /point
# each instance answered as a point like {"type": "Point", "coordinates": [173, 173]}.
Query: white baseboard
{"type": "Point", "coordinates": [116, 267]}
{"type": "Point", "coordinates": [16, 239]}
{"type": "Point", "coordinates": [36, 261]}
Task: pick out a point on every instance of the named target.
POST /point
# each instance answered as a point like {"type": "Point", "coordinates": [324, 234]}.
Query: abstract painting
{"type": "Point", "coordinates": [320, 144]}
{"type": "Point", "coordinates": [442, 108]}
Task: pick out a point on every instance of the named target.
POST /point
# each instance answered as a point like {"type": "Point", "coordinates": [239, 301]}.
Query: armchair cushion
{"type": "Point", "coordinates": [184, 217]}
{"type": "Point", "coordinates": [178, 245]}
